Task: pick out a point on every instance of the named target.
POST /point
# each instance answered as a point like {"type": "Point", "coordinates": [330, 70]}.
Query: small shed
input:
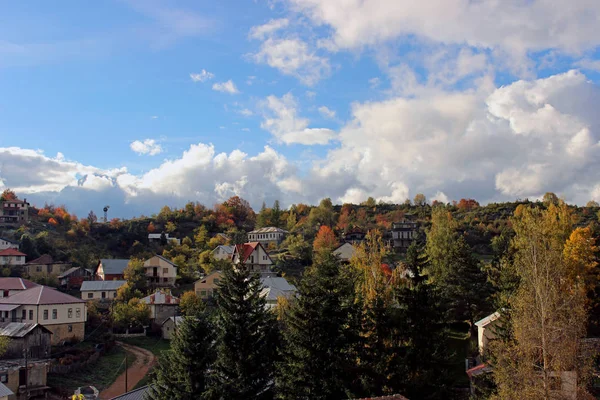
{"type": "Point", "coordinates": [33, 337]}
{"type": "Point", "coordinates": [169, 327]}
{"type": "Point", "coordinates": [345, 252]}
{"type": "Point", "coordinates": [73, 277]}
{"type": "Point", "coordinates": [5, 392]}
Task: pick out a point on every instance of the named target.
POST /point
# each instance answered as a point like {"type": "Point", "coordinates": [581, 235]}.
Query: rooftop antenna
{"type": "Point", "coordinates": [106, 213]}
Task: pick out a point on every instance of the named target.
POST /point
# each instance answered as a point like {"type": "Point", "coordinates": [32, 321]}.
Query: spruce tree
{"type": "Point", "coordinates": [246, 339]}
{"type": "Point", "coordinates": [181, 372]}
{"type": "Point", "coordinates": [319, 335]}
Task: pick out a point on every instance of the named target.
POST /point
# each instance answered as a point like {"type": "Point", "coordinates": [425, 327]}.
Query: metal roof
{"type": "Point", "coordinates": [227, 249]}
{"type": "Point", "coordinates": [10, 283]}
{"type": "Point", "coordinates": [269, 229]}
{"type": "Point", "coordinates": [87, 286]}
{"type": "Point", "coordinates": [71, 270]}
{"type": "Point", "coordinates": [178, 320]}
{"type": "Point", "coordinates": [44, 260]}
{"type": "Point", "coordinates": [488, 320]}
{"type": "Point", "coordinates": [160, 297]}
{"type": "Point", "coordinates": [114, 266]}
{"type": "Point", "coordinates": [4, 391]}
{"type": "Point", "coordinates": [18, 329]}
{"type": "Point", "coordinates": [137, 394]}
{"type": "Point", "coordinates": [40, 295]}
{"type": "Point", "coordinates": [8, 307]}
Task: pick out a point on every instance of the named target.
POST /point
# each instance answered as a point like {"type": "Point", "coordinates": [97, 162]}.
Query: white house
{"type": "Point", "coordinates": [169, 326]}
{"type": "Point", "coordinates": [223, 252]}
{"type": "Point", "coordinates": [155, 237]}
{"type": "Point", "coordinates": [160, 271]}
{"type": "Point", "coordinates": [12, 257]}
{"type": "Point", "coordinates": [253, 257]}
{"type": "Point", "coordinates": [162, 304]}
{"type": "Point", "coordinates": [11, 285]}
{"type": "Point", "coordinates": [100, 290]}
{"type": "Point", "coordinates": [486, 330]}
{"type": "Point", "coordinates": [268, 235]}
{"type": "Point", "coordinates": [8, 244]}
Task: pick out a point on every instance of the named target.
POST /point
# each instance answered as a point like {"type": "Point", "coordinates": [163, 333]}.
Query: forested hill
{"type": "Point", "coordinates": [82, 240]}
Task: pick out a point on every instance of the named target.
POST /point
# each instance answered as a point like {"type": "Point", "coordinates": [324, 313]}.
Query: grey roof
{"type": "Point", "coordinates": [9, 240]}
{"type": "Point", "coordinates": [270, 229]}
{"type": "Point", "coordinates": [114, 266]}
{"type": "Point", "coordinates": [70, 271]}
{"type": "Point", "coordinates": [227, 249]}
{"type": "Point", "coordinates": [40, 295]}
{"type": "Point", "coordinates": [488, 320]}
{"type": "Point", "coordinates": [178, 320]}
{"type": "Point", "coordinates": [18, 329]}
{"type": "Point", "coordinates": [4, 391]}
{"type": "Point", "coordinates": [137, 394]}
{"type": "Point", "coordinates": [87, 286]}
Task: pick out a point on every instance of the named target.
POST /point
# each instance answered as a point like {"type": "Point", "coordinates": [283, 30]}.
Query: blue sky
{"type": "Point", "coordinates": [144, 103]}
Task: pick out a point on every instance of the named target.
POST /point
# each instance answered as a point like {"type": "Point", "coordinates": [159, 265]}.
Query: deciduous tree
{"type": "Point", "coordinates": [325, 240]}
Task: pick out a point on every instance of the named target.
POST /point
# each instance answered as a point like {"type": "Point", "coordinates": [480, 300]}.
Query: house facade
{"type": "Point", "coordinates": [62, 314]}
{"type": "Point", "coordinates": [169, 327]}
{"type": "Point", "coordinates": [8, 244]}
{"type": "Point", "coordinates": [275, 287]}
{"type": "Point", "coordinates": [266, 236]}
{"type": "Point", "coordinates": [403, 233]}
{"type": "Point", "coordinates": [26, 336]}
{"type": "Point", "coordinates": [102, 291]}
{"type": "Point", "coordinates": [74, 277]}
{"type": "Point", "coordinates": [206, 287]}
{"type": "Point", "coordinates": [45, 265]}
{"type": "Point", "coordinates": [353, 236]}
{"type": "Point", "coordinates": [111, 269]}
{"type": "Point", "coordinates": [25, 381]}
{"type": "Point", "coordinates": [252, 257]}
{"type": "Point", "coordinates": [155, 238]}
{"type": "Point", "coordinates": [11, 285]}
{"type": "Point", "coordinates": [14, 212]}
{"type": "Point", "coordinates": [12, 258]}
{"type": "Point", "coordinates": [162, 305]}
{"type": "Point", "coordinates": [486, 330]}
{"type": "Point", "coordinates": [160, 271]}
{"type": "Point", "coordinates": [223, 252]}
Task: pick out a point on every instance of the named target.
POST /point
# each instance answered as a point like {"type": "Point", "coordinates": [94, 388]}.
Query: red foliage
{"type": "Point", "coordinates": [325, 239]}
{"type": "Point", "coordinates": [151, 227]}
{"type": "Point", "coordinates": [467, 204]}
{"type": "Point", "coordinates": [53, 222]}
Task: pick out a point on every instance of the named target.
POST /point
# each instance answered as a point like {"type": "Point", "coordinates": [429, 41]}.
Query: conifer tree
{"type": "Point", "coordinates": [181, 372]}
{"type": "Point", "coordinates": [276, 215]}
{"type": "Point", "coordinates": [319, 335]}
{"type": "Point", "coordinates": [262, 219]}
{"type": "Point", "coordinates": [246, 339]}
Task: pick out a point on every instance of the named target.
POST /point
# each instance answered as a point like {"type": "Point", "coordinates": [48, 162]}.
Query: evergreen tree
{"type": "Point", "coordinates": [319, 335]}
{"type": "Point", "coordinates": [181, 372]}
{"type": "Point", "coordinates": [246, 339]}
{"type": "Point", "coordinates": [276, 214]}
{"type": "Point", "coordinates": [262, 219]}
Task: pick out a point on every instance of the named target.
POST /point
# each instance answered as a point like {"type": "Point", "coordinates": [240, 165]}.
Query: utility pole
{"type": "Point", "coordinates": [125, 371]}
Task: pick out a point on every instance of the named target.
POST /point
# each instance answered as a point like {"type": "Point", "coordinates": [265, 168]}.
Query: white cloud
{"type": "Point", "coordinates": [589, 64]}
{"type": "Point", "coordinates": [203, 76]}
{"type": "Point", "coordinates": [147, 146]}
{"type": "Point", "coordinates": [154, 117]}
{"type": "Point", "coordinates": [262, 31]}
{"type": "Point", "coordinates": [310, 94]}
{"type": "Point", "coordinates": [226, 87]}
{"type": "Point", "coordinates": [281, 119]}
{"type": "Point", "coordinates": [326, 112]}
{"type": "Point", "coordinates": [374, 82]}
{"type": "Point", "coordinates": [246, 113]}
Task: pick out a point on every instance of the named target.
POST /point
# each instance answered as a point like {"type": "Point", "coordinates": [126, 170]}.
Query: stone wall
{"type": "Point", "coordinates": [61, 332]}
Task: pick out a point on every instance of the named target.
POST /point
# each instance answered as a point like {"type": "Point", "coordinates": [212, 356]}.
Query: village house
{"type": "Point", "coordinates": [206, 286]}
{"type": "Point", "coordinates": [14, 212]}
{"type": "Point", "coordinates": [5, 392]}
{"type": "Point", "coordinates": [100, 290]}
{"type": "Point", "coordinates": [111, 269]}
{"type": "Point", "coordinates": [345, 252]}
{"type": "Point", "coordinates": [169, 327]}
{"type": "Point", "coordinates": [275, 287]}
{"type": "Point", "coordinates": [11, 285]}
{"type": "Point", "coordinates": [45, 265]}
{"type": "Point", "coordinates": [403, 233]}
{"type": "Point", "coordinates": [266, 236]}
{"type": "Point", "coordinates": [62, 314]}
{"type": "Point", "coordinates": [353, 236]}
{"type": "Point", "coordinates": [223, 252]}
{"type": "Point", "coordinates": [8, 244]}
{"type": "Point", "coordinates": [25, 380]}
{"type": "Point", "coordinates": [160, 271]}
{"type": "Point", "coordinates": [486, 330]}
{"type": "Point", "coordinates": [162, 305]}
{"type": "Point", "coordinates": [74, 277]}
{"type": "Point", "coordinates": [12, 258]}
{"type": "Point", "coordinates": [23, 336]}
{"type": "Point", "coordinates": [155, 238]}
{"type": "Point", "coordinates": [253, 257]}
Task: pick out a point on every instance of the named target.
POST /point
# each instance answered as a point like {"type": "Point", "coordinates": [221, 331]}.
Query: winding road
{"type": "Point", "coordinates": [144, 361]}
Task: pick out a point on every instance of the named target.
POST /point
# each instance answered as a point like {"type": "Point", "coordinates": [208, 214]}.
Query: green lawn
{"type": "Point", "coordinates": [155, 345]}
{"type": "Point", "coordinates": [101, 374]}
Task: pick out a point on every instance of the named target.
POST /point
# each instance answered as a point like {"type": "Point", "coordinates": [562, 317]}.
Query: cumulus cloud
{"type": "Point", "coordinates": [326, 112]}
{"type": "Point", "coordinates": [282, 121]}
{"type": "Point", "coordinates": [146, 146]}
{"type": "Point", "coordinates": [262, 31]}
{"type": "Point", "coordinates": [226, 87]}
{"type": "Point", "coordinates": [203, 76]}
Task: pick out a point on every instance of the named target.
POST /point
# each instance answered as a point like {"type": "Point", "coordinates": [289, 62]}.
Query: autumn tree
{"type": "Point", "coordinates": [191, 304]}
{"type": "Point", "coordinates": [323, 214]}
{"type": "Point", "coordinates": [550, 198]}
{"type": "Point", "coordinates": [592, 204]}
{"type": "Point", "coordinates": [133, 313]}
{"type": "Point", "coordinates": [92, 218]}
{"type": "Point", "coordinates": [325, 240]}
{"type": "Point", "coordinates": [420, 200]}
{"type": "Point", "coordinates": [135, 274]}
{"type": "Point", "coordinates": [7, 195]}
{"type": "Point", "coordinates": [151, 228]}
{"type": "Point", "coordinates": [440, 241]}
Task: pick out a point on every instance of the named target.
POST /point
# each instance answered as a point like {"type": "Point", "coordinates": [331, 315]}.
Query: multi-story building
{"type": "Point", "coordinates": [205, 287]}
{"type": "Point", "coordinates": [14, 212]}
{"type": "Point", "coordinates": [267, 236]}
{"type": "Point", "coordinates": [160, 271]}
{"type": "Point", "coordinates": [403, 233]}
{"type": "Point", "coordinates": [102, 291]}
{"type": "Point", "coordinates": [45, 265]}
{"type": "Point", "coordinates": [12, 285]}
{"type": "Point", "coordinates": [12, 257]}
{"type": "Point", "coordinates": [162, 305]}
{"type": "Point", "coordinates": [8, 244]}
{"type": "Point", "coordinates": [62, 314]}
{"type": "Point", "coordinates": [253, 257]}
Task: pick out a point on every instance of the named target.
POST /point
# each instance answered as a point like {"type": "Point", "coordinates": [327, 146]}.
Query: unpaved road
{"type": "Point", "coordinates": [144, 361]}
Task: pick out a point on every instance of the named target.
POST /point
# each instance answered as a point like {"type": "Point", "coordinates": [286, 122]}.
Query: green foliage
{"type": "Point", "coordinates": [135, 274]}
{"type": "Point", "coordinates": [246, 339]}
{"type": "Point", "coordinates": [191, 305]}
{"type": "Point", "coordinates": [318, 354]}
{"type": "Point", "coordinates": [440, 241]}
{"type": "Point", "coordinates": [4, 342]}
{"type": "Point", "coordinates": [182, 372]}
{"type": "Point", "coordinates": [132, 313]}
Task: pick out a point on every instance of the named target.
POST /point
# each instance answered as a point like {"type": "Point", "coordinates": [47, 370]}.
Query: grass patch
{"type": "Point", "coordinates": [101, 374]}
{"type": "Point", "coordinates": [152, 344]}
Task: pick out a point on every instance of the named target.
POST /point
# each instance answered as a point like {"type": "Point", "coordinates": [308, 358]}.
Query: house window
{"type": "Point", "coordinates": [165, 279]}
{"type": "Point", "coordinates": [38, 268]}
{"type": "Point", "coordinates": [103, 295]}
{"type": "Point", "coordinates": [23, 314]}
{"type": "Point", "coordinates": [90, 295]}
{"type": "Point", "coordinates": [78, 312]}
{"type": "Point", "coordinates": [70, 328]}
{"type": "Point", "coordinates": [114, 295]}
{"type": "Point", "coordinates": [165, 270]}
{"type": "Point", "coordinates": [4, 378]}
{"type": "Point", "coordinates": [203, 293]}
{"type": "Point", "coordinates": [70, 313]}
{"type": "Point", "coordinates": [54, 313]}
{"type": "Point", "coordinates": [45, 314]}
{"type": "Point", "coordinates": [31, 315]}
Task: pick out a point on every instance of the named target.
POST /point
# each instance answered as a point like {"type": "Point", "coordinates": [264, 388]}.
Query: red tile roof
{"type": "Point", "coordinates": [246, 249]}
{"type": "Point", "coordinates": [11, 252]}
{"type": "Point", "coordinates": [16, 284]}
{"type": "Point", "coordinates": [45, 259]}
{"type": "Point", "coordinates": [40, 295]}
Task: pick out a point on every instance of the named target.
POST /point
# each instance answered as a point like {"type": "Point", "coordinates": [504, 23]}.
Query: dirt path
{"type": "Point", "coordinates": [144, 361]}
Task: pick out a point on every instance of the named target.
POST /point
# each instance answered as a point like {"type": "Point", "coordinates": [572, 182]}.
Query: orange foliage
{"type": "Point", "coordinates": [151, 227]}
{"type": "Point", "coordinates": [53, 222]}
{"type": "Point", "coordinates": [325, 240]}
{"type": "Point", "coordinates": [467, 204]}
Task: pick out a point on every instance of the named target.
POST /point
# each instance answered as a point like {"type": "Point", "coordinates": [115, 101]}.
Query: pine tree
{"type": "Point", "coordinates": [276, 214]}
{"type": "Point", "coordinates": [319, 335]}
{"type": "Point", "coordinates": [181, 372]}
{"type": "Point", "coordinates": [246, 339]}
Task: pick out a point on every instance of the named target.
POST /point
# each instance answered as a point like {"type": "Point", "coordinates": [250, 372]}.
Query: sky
{"type": "Point", "coordinates": [138, 104]}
